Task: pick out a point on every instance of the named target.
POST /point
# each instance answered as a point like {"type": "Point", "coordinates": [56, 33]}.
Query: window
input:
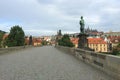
{"type": "Point", "coordinates": [96, 49]}
{"type": "Point", "coordinates": [104, 49]}
{"type": "Point", "coordinates": [89, 44]}
{"type": "Point", "coordinates": [104, 45]}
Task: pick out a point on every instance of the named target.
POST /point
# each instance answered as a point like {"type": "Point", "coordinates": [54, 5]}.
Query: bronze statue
{"type": "Point", "coordinates": [82, 24]}
{"type": "Point", "coordinates": [83, 41]}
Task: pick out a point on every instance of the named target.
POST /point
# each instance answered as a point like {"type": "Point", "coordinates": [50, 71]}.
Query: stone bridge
{"type": "Point", "coordinates": [46, 63]}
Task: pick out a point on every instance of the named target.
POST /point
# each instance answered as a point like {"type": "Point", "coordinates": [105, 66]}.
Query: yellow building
{"type": "Point", "coordinates": [98, 44]}
{"type": "Point", "coordinates": [37, 42]}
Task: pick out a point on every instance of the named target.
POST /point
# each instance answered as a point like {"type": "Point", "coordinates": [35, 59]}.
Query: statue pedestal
{"type": "Point", "coordinates": [83, 42]}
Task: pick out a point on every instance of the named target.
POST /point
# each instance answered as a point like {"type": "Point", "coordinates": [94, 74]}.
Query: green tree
{"type": "Point", "coordinates": [118, 45]}
{"type": "Point", "coordinates": [65, 41]}
{"type": "Point", "coordinates": [116, 50]}
{"type": "Point", "coordinates": [1, 37]}
{"type": "Point", "coordinates": [44, 42]}
{"type": "Point", "coordinates": [16, 37]}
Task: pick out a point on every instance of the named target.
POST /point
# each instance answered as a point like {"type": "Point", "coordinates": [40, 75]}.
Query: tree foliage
{"type": "Point", "coordinates": [1, 37]}
{"type": "Point", "coordinates": [65, 41]}
{"type": "Point", "coordinates": [44, 42]}
{"type": "Point", "coordinates": [16, 37]}
{"type": "Point", "coordinates": [116, 50]}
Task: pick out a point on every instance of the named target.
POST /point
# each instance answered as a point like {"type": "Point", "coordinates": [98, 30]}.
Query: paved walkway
{"type": "Point", "coordinates": [46, 63]}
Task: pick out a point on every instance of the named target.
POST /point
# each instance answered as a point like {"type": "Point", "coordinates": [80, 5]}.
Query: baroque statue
{"type": "Point", "coordinates": [82, 24]}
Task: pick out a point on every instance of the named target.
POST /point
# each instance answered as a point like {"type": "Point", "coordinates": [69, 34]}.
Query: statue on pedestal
{"type": "Point", "coordinates": [82, 42]}
{"type": "Point", "coordinates": [82, 24]}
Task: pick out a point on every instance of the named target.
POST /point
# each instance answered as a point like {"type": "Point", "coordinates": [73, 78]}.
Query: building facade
{"type": "Point", "coordinates": [75, 42]}
{"type": "Point", "coordinates": [98, 44]}
{"type": "Point", "coordinates": [109, 34]}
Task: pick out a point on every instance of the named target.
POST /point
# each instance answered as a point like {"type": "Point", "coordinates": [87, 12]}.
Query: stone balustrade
{"type": "Point", "coordinates": [107, 63]}
{"type": "Point", "coordinates": [9, 49]}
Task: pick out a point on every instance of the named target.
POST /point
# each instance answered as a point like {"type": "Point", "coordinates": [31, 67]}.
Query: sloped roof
{"type": "Point", "coordinates": [37, 40]}
{"type": "Point", "coordinates": [74, 40]}
{"type": "Point", "coordinates": [114, 39]}
{"type": "Point", "coordinates": [96, 41]}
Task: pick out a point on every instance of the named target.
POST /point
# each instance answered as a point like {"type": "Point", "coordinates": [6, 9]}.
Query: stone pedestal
{"type": "Point", "coordinates": [83, 42]}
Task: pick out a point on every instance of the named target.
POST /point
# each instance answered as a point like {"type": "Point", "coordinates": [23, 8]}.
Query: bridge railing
{"type": "Point", "coordinates": [10, 49]}
{"type": "Point", "coordinates": [107, 63]}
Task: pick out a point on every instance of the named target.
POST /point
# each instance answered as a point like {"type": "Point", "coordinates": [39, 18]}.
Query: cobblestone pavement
{"type": "Point", "coordinates": [46, 63]}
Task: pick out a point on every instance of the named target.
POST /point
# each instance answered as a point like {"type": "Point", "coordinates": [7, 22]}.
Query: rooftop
{"type": "Point", "coordinates": [96, 41]}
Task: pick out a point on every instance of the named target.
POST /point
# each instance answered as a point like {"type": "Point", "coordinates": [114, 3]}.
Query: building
{"type": "Point", "coordinates": [26, 40]}
{"type": "Point", "coordinates": [93, 32]}
{"type": "Point", "coordinates": [75, 41]}
{"type": "Point", "coordinates": [5, 36]}
{"type": "Point", "coordinates": [98, 44]}
{"type": "Point", "coordinates": [74, 35]}
{"type": "Point", "coordinates": [115, 40]}
{"type": "Point", "coordinates": [47, 38]}
{"type": "Point", "coordinates": [58, 37]}
{"type": "Point", "coordinates": [108, 34]}
{"type": "Point", "coordinates": [36, 42]}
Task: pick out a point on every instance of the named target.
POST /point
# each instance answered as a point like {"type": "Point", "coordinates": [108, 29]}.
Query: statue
{"type": "Point", "coordinates": [83, 41]}
{"type": "Point", "coordinates": [82, 24]}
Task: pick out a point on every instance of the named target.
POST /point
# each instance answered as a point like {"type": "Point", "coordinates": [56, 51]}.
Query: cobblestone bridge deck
{"type": "Point", "coordinates": [46, 63]}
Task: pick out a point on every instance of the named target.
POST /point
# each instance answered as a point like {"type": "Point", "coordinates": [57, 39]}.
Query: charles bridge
{"type": "Point", "coordinates": [57, 63]}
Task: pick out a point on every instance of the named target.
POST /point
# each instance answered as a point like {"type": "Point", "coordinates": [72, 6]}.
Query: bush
{"type": "Point", "coordinates": [65, 41]}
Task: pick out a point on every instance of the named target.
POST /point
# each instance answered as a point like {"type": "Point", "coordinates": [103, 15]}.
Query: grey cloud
{"type": "Point", "coordinates": [51, 15]}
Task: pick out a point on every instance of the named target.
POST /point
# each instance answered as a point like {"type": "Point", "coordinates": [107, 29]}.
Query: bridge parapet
{"type": "Point", "coordinates": [9, 49]}
{"type": "Point", "coordinates": [107, 63]}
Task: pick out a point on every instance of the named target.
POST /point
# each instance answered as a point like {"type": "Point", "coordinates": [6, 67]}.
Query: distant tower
{"type": "Point", "coordinates": [59, 33]}
{"type": "Point", "coordinates": [30, 40]}
{"type": "Point", "coordinates": [59, 36]}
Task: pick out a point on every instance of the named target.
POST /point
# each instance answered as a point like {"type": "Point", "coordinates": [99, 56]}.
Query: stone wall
{"type": "Point", "coordinates": [107, 63]}
{"type": "Point", "coordinates": [10, 49]}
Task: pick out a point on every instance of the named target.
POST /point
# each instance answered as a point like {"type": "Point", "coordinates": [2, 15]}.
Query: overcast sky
{"type": "Point", "coordinates": [45, 17]}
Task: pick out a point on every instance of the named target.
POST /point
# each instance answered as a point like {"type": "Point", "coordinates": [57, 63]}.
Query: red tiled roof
{"type": "Point", "coordinates": [37, 40]}
{"type": "Point", "coordinates": [74, 40]}
{"type": "Point", "coordinates": [114, 39]}
{"type": "Point", "coordinates": [96, 41]}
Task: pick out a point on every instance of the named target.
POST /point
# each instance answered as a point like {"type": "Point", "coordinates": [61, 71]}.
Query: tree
{"type": "Point", "coordinates": [116, 50]}
{"type": "Point", "coordinates": [44, 42]}
{"type": "Point", "coordinates": [118, 45]}
{"type": "Point", "coordinates": [16, 37]}
{"type": "Point", "coordinates": [65, 41]}
{"type": "Point", "coordinates": [1, 37]}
